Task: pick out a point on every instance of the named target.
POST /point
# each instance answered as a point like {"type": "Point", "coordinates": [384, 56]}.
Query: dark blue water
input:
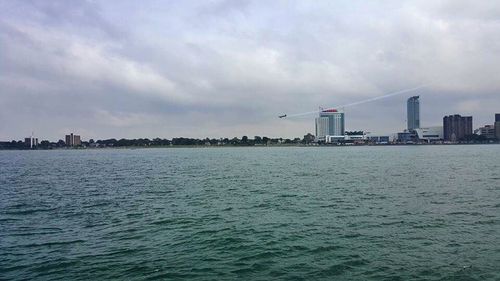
{"type": "Point", "coordinates": [353, 213]}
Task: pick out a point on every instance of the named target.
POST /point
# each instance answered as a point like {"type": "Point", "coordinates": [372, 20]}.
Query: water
{"type": "Point", "coordinates": [352, 213]}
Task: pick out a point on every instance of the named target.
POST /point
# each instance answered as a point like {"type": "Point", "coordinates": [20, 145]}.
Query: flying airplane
{"type": "Point", "coordinates": [355, 103]}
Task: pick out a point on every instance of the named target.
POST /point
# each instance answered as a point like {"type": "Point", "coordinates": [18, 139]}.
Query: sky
{"type": "Point", "coordinates": [131, 69]}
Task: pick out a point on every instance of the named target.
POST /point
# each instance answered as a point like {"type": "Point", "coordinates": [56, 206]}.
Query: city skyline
{"type": "Point", "coordinates": [81, 67]}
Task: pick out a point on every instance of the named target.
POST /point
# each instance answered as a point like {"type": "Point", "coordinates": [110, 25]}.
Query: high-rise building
{"type": "Point", "coordinates": [28, 142]}
{"type": "Point", "coordinates": [456, 127]}
{"type": "Point", "coordinates": [73, 140]}
{"type": "Point", "coordinates": [321, 128]}
{"type": "Point", "coordinates": [497, 126]}
{"type": "Point", "coordinates": [31, 142]}
{"type": "Point", "coordinates": [336, 121]}
{"type": "Point", "coordinates": [330, 123]}
{"type": "Point", "coordinates": [413, 113]}
{"type": "Point", "coordinates": [76, 140]}
{"type": "Point", "coordinates": [69, 140]}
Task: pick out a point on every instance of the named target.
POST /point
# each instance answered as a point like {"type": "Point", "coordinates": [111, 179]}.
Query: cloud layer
{"type": "Point", "coordinates": [228, 68]}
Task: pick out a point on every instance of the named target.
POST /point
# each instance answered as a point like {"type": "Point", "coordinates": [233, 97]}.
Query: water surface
{"type": "Point", "coordinates": [365, 213]}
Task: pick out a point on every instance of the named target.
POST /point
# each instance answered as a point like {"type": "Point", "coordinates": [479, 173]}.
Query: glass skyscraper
{"type": "Point", "coordinates": [413, 111]}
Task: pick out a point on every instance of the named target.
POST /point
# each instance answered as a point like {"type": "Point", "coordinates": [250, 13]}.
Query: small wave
{"type": "Point", "coordinates": [258, 256]}
{"type": "Point", "coordinates": [287, 195]}
{"type": "Point", "coordinates": [343, 267]}
{"type": "Point", "coordinates": [351, 235]}
{"type": "Point", "coordinates": [392, 223]}
{"type": "Point", "coordinates": [486, 222]}
{"type": "Point", "coordinates": [29, 211]}
{"type": "Point", "coordinates": [323, 249]}
{"type": "Point", "coordinates": [53, 243]}
{"type": "Point", "coordinates": [8, 219]}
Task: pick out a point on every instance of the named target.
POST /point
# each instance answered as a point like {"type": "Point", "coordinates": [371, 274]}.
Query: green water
{"type": "Point", "coordinates": [312, 213]}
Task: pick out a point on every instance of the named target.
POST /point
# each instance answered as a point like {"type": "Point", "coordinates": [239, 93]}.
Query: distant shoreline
{"type": "Point", "coordinates": [242, 146]}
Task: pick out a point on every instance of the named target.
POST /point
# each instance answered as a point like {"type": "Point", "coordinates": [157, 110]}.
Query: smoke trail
{"type": "Point", "coordinates": [359, 102]}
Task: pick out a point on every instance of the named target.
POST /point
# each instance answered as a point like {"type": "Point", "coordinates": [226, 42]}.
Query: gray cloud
{"type": "Point", "coordinates": [228, 68]}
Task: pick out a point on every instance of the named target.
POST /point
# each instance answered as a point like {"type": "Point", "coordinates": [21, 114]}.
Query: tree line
{"type": "Point", "coordinates": [158, 142]}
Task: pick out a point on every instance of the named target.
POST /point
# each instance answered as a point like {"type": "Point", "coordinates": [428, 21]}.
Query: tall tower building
{"type": "Point", "coordinates": [413, 113]}
{"type": "Point", "coordinates": [334, 122]}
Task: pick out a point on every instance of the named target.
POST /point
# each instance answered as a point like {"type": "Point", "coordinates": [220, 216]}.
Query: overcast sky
{"type": "Point", "coordinates": [132, 69]}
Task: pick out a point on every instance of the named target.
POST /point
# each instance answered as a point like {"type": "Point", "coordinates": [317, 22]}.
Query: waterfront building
{"type": "Point", "coordinates": [413, 113]}
{"type": "Point", "coordinates": [73, 140]}
{"type": "Point", "coordinates": [31, 142]}
{"type": "Point", "coordinates": [76, 140]}
{"type": "Point", "coordinates": [361, 138]}
{"type": "Point", "coordinates": [497, 126]}
{"type": "Point", "coordinates": [330, 125]}
{"type": "Point", "coordinates": [336, 121]}
{"type": "Point", "coordinates": [430, 134]}
{"type": "Point", "coordinates": [336, 139]}
{"type": "Point", "coordinates": [321, 128]}
{"type": "Point", "coordinates": [456, 127]}
{"type": "Point", "coordinates": [488, 131]}
{"type": "Point", "coordinates": [379, 139]}
{"type": "Point", "coordinates": [405, 137]}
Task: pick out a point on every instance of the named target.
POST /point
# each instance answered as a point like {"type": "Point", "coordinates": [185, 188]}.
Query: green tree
{"type": "Point", "coordinates": [44, 144]}
{"type": "Point", "coordinates": [309, 138]}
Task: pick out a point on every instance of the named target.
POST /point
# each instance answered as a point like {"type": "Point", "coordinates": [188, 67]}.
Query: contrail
{"type": "Point", "coordinates": [356, 103]}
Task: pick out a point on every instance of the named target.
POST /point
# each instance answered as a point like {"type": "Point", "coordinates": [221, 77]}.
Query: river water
{"type": "Point", "coordinates": [312, 213]}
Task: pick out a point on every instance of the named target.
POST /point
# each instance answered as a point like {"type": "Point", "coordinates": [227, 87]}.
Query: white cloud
{"type": "Point", "coordinates": [224, 68]}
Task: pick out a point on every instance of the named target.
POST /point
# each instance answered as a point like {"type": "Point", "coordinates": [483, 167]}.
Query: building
{"type": "Point", "coordinates": [31, 142]}
{"type": "Point", "coordinates": [330, 122]}
{"type": "Point", "coordinates": [430, 134]}
{"type": "Point", "coordinates": [497, 126]}
{"type": "Point", "coordinates": [361, 138]}
{"type": "Point", "coordinates": [488, 131]}
{"type": "Point", "coordinates": [456, 127]}
{"type": "Point", "coordinates": [321, 128]}
{"type": "Point", "coordinates": [336, 121]}
{"type": "Point", "coordinates": [413, 113]}
{"type": "Point", "coordinates": [73, 140]}
{"type": "Point", "coordinates": [76, 140]}
{"type": "Point", "coordinates": [379, 139]}
{"type": "Point", "coordinates": [405, 137]}
{"type": "Point", "coordinates": [69, 140]}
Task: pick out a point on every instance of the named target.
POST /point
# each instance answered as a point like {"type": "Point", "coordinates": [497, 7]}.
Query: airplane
{"type": "Point", "coordinates": [282, 116]}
